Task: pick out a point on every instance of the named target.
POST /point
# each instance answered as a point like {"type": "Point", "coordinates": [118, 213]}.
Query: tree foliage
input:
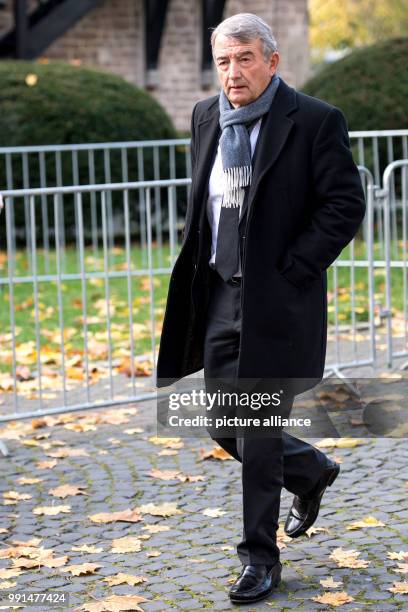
{"type": "Point", "coordinates": [353, 23]}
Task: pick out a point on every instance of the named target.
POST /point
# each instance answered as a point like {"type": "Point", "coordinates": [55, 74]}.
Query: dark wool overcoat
{"type": "Point", "coordinates": [305, 204]}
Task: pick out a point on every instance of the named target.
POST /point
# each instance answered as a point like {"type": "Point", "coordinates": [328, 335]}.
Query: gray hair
{"type": "Point", "coordinates": [246, 27]}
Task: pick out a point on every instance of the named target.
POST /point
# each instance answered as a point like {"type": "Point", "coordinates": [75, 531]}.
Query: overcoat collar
{"type": "Point", "coordinates": [275, 129]}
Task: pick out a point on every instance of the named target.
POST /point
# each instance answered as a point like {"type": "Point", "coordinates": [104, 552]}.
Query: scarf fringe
{"type": "Point", "coordinates": [235, 180]}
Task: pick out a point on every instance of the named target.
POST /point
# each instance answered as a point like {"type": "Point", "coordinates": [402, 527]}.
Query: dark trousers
{"type": "Point", "coordinates": [268, 463]}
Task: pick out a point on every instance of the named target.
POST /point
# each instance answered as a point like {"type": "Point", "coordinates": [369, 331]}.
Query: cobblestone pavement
{"type": "Point", "coordinates": [197, 560]}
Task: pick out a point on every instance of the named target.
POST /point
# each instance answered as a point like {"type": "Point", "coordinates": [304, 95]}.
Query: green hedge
{"type": "Point", "coordinates": [370, 85]}
{"type": "Point", "coordinates": [73, 105]}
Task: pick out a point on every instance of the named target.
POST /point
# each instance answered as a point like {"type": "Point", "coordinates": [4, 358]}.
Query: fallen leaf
{"type": "Point", "coordinates": [339, 442]}
{"type": "Point", "coordinates": [80, 427]}
{"type": "Point", "coordinates": [86, 548]}
{"type": "Point", "coordinates": [156, 528]}
{"type": "Point", "coordinates": [51, 510]}
{"type": "Point", "coordinates": [309, 532]}
{"type": "Point", "coordinates": [215, 453]}
{"type": "Point", "coordinates": [166, 509]}
{"type": "Point", "coordinates": [167, 442]}
{"type": "Point", "coordinates": [55, 561]}
{"type": "Point", "coordinates": [348, 558]}
{"type": "Point", "coordinates": [81, 569]}
{"type": "Point", "coordinates": [399, 587]}
{"type": "Point", "coordinates": [329, 583]}
{"type": "Point", "coordinates": [15, 495]}
{"type": "Point", "coordinates": [402, 555]}
{"type": "Point", "coordinates": [164, 474]}
{"type": "Point", "coordinates": [7, 584]}
{"type": "Point", "coordinates": [65, 490]}
{"type": "Point", "coordinates": [133, 430]}
{"type": "Point", "coordinates": [11, 572]}
{"type": "Point", "coordinates": [68, 452]}
{"type": "Point", "coordinates": [213, 512]}
{"type": "Point", "coordinates": [367, 521]}
{"type": "Point", "coordinates": [23, 480]}
{"type": "Point", "coordinates": [46, 465]}
{"type": "Point", "coordinates": [122, 578]}
{"type": "Point", "coordinates": [339, 598]}
{"type": "Point", "coordinates": [116, 603]}
{"type": "Point", "coordinates": [126, 544]}
{"type": "Point", "coordinates": [128, 516]}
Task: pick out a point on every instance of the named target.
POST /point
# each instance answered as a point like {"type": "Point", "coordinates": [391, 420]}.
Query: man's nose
{"type": "Point", "coordinates": [234, 70]}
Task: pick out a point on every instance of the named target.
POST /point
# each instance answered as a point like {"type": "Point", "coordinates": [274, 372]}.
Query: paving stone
{"type": "Point", "coordinates": [119, 481]}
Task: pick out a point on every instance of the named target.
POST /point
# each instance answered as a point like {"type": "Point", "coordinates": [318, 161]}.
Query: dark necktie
{"type": "Point", "coordinates": [227, 251]}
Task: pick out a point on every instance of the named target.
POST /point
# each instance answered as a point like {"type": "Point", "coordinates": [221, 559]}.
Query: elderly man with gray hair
{"type": "Point", "coordinates": [275, 198]}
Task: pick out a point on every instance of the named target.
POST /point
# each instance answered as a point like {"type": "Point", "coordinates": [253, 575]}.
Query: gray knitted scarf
{"type": "Point", "coordinates": [235, 143]}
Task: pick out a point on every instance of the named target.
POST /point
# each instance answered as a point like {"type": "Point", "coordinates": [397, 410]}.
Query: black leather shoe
{"type": "Point", "coordinates": [255, 582]}
{"type": "Point", "coordinates": [304, 510]}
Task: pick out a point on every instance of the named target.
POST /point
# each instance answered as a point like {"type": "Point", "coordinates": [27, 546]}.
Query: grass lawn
{"type": "Point", "coordinates": [72, 302]}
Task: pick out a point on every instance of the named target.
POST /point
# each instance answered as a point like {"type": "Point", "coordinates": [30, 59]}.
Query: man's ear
{"type": "Point", "coordinates": [274, 61]}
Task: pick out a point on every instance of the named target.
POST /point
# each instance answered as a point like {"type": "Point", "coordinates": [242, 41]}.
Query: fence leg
{"type": "Point", "coordinates": [335, 371]}
{"type": "Point", "coordinates": [3, 449]}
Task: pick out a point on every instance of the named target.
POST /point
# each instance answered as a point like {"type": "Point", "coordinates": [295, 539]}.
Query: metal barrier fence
{"type": "Point", "coordinates": [108, 292]}
{"type": "Point", "coordinates": [351, 276]}
{"type": "Point", "coordinates": [395, 259]}
{"type": "Point", "coordinates": [101, 163]}
{"type": "Point", "coordinates": [95, 314]}
{"type": "Point", "coordinates": [45, 166]}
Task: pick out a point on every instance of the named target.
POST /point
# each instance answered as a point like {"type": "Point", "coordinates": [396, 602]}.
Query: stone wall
{"type": "Point", "coordinates": [112, 37]}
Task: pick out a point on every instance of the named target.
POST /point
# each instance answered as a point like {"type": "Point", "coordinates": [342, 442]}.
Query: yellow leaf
{"type": "Point", "coordinates": [402, 555]}
{"type": "Point", "coordinates": [164, 474]}
{"type": "Point", "coordinates": [399, 587]}
{"type": "Point", "coordinates": [65, 490]}
{"type": "Point", "coordinates": [15, 495]}
{"type": "Point", "coordinates": [215, 453]}
{"type": "Point", "coordinates": [7, 584]}
{"type": "Point", "coordinates": [51, 510]}
{"type": "Point", "coordinates": [348, 558]}
{"type": "Point", "coordinates": [156, 528]}
{"type": "Point", "coordinates": [86, 548]}
{"type": "Point", "coordinates": [31, 80]}
{"type": "Point", "coordinates": [367, 521]}
{"type": "Point", "coordinates": [127, 516]}
{"type": "Point", "coordinates": [126, 544]}
{"type": "Point", "coordinates": [213, 512]}
{"type": "Point", "coordinates": [116, 603]}
{"type": "Point", "coordinates": [329, 583]}
{"type": "Point", "coordinates": [167, 442]}
{"type": "Point", "coordinates": [81, 569]}
{"type": "Point", "coordinates": [23, 480]}
{"type": "Point", "coordinates": [338, 598]}
{"type": "Point", "coordinates": [166, 509]}
{"type": "Point", "coordinates": [12, 572]}
{"type": "Point", "coordinates": [46, 465]}
{"type": "Point", "coordinates": [122, 578]}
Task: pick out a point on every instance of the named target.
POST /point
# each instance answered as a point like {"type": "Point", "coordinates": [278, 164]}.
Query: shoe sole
{"type": "Point", "coordinates": [259, 598]}
{"type": "Point", "coordinates": [303, 530]}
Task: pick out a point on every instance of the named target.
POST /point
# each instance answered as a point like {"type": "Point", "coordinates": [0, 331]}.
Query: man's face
{"type": "Point", "coordinates": [242, 69]}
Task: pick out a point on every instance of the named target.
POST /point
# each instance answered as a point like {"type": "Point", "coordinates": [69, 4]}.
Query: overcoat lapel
{"type": "Point", "coordinates": [275, 129]}
{"type": "Point", "coordinates": [209, 132]}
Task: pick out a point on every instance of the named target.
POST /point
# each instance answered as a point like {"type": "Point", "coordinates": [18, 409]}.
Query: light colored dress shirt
{"type": "Point", "coordinates": [215, 191]}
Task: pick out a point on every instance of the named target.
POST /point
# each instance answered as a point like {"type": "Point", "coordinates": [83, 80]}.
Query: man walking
{"type": "Point", "coordinates": [275, 197]}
